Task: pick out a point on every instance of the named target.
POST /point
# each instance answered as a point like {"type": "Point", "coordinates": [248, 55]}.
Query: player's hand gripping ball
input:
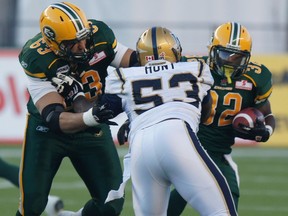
{"type": "Point", "coordinates": [249, 123]}
{"type": "Point", "coordinates": [247, 117]}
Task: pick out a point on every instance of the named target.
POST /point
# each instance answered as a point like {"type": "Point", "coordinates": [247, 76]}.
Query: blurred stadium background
{"type": "Point", "coordinates": [263, 167]}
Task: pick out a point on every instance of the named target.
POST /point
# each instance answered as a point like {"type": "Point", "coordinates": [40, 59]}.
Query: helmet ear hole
{"type": "Point", "coordinates": [176, 54]}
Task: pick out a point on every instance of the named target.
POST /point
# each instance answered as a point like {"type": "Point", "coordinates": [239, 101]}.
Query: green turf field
{"type": "Point", "coordinates": [263, 173]}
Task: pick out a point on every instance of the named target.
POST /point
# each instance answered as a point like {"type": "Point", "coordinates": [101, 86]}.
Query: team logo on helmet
{"type": "Point", "coordinates": [49, 33]}
{"type": "Point", "coordinates": [162, 55]}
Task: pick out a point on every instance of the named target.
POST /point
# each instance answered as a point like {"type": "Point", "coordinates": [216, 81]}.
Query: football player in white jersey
{"type": "Point", "coordinates": [164, 102]}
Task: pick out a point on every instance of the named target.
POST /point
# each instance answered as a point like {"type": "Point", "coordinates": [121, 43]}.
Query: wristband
{"type": "Point", "coordinates": [89, 119]}
{"type": "Point", "coordinates": [270, 129]}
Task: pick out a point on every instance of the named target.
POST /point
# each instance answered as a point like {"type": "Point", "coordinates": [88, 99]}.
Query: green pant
{"type": "Point", "coordinates": [177, 203]}
{"type": "Point", "coordinates": [92, 154]}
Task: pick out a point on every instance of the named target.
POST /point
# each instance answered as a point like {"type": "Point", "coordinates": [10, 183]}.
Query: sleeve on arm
{"type": "Point", "coordinates": [38, 88]}
{"type": "Point", "coordinates": [120, 50]}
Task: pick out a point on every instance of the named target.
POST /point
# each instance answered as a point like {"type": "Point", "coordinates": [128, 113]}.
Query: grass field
{"type": "Point", "coordinates": [263, 173]}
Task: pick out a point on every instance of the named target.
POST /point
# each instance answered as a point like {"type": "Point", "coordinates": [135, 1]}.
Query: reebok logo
{"type": "Point", "coordinates": [42, 129]}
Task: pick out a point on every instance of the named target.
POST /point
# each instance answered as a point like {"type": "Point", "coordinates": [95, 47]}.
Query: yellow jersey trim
{"type": "Point", "coordinates": [36, 75]}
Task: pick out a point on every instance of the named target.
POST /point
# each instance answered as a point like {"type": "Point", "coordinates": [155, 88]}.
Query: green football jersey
{"type": "Point", "coordinates": [40, 62]}
{"type": "Point", "coordinates": [251, 89]}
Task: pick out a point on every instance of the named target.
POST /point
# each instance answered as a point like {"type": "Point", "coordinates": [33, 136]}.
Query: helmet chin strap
{"type": "Point", "coordinates": [227, 73]}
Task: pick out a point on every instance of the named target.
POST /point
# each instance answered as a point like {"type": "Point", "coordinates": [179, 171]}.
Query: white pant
{"type": "Point", "coordinates": [168, 153]}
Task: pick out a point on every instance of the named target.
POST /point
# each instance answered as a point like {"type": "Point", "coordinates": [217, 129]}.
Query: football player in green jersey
{"type": "Point", "coordinates": [238, 83]}
{"type": "Point", "coordinates": [58, 127]}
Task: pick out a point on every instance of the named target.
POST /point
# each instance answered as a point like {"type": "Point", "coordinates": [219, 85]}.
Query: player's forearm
{"type": "Point", "coordinates": [269, 117]}
{"type": "Point", "coordinates": [206, 107]}
{"type": "Point", "coordinates": [270, 122]}
{"type": "Point", "coordinates": [71, 122]}
{"type": "Point", "coordinates": [75, 122]}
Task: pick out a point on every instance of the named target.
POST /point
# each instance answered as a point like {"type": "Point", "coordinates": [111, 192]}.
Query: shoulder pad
{"type": "Point", "coordinates": [104, 32]}
{"type": "Point", "coordinates": [36, 58]}
{"type": "Point", "coordinates": [261, 78]}
{"type": "Point", "coordinates": [258, 72]}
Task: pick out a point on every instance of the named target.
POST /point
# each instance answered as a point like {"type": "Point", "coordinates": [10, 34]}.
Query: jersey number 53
{"type": "Point", "coordinates": [149, 93]}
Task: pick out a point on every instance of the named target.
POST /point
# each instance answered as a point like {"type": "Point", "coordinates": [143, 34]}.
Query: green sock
{"type": "Point", "coordinates": [9, 172]}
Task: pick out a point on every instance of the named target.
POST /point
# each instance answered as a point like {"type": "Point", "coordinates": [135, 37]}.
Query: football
{"type": "Point", "coordinates": [247, 117]}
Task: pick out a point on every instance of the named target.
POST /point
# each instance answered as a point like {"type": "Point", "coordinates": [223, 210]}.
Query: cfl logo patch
{"type": "Point", "coordinates": [42, 129]}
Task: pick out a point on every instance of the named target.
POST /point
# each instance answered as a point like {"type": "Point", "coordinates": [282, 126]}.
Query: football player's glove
{"type": "Point", "coordinates": [102, 114]}
{"type": "Point", "coordinates": [259, 132]}
{"type": "Point", "coordinates": [122, 134]}
{"type": "Point", "coordinates": [68, 87]}
{"type": "Point", "coordinates": [98, 114]}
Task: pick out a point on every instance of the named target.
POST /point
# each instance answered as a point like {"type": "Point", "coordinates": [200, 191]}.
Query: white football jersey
{"type": "Point", "coordinates": [163, 103]}
{"type": "Point", "coordinates": [155, 92]}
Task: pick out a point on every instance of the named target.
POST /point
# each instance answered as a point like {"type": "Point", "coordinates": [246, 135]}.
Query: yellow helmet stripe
{"type": "Point", "coordinates": [72, 14]}
{"type": "Point", "coordinates": [235, 34]}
